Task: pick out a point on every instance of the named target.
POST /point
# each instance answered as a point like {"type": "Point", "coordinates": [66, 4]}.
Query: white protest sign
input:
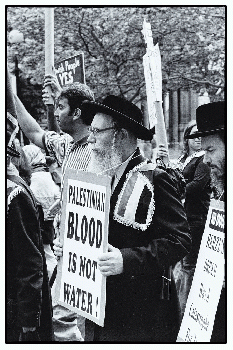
{"type": "Point", "coordinates": [84, 234]}
{"type": "Point", "coordinates": [151, 97]}
{"type": "Point", "coordinates": [152, 72]}
{"type": "Point", "coordinates": [201, 307]}
{"type": "Point", "coordinates": [153, 77]}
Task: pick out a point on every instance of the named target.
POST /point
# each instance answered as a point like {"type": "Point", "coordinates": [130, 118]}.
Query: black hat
{"type": "Point", "coordinates": [210, 119]}
{"type": "Point", "coordinates": [128, 115]}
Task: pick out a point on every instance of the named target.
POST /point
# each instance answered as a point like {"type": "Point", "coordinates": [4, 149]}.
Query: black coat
{"type": "Point", "coordinates": [134, 310]}
{"type": "Point", "coordinates": [198, 189]}
{"type": "Point", "coordinates": [28, 293]}
{"type": "Point", "coordinates": [197, 201]}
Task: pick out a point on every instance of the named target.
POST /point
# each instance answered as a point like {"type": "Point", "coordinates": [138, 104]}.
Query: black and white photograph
{"type": "Point", "coordinates": [115, 129]}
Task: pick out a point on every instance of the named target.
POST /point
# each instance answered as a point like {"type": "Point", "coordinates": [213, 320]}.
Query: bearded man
{"type": "Point", "coordinates": [211, 124]}
{"type": "Point", "coordinates": [148, 230]}
{"type": "Point", "coordinates": [210, 127]}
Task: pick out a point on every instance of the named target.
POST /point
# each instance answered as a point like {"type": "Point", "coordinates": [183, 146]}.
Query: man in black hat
{"type": "Point", "coordinates": [211, 124]}
{"type": "Point", "coordinates": [148, 231]}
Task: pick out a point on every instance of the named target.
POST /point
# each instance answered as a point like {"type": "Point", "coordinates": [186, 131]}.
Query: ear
{"type": "Point", "coordinates": [123, 133]}
{"type": "Point", "coordinates": [76, 114]}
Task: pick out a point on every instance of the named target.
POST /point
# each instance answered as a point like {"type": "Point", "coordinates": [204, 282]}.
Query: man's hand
{"type": "Point", "coordinates": [53, 210]}
{"type": "Point", "coordinates": [111, 263]}
{"type": "Point", "coordinates": [58, 247]}
{"type": "Point", "coordinates": [52, 82]}
{"type": "Point", "coordinates": [162, 153]}
{"type": "Point", "coordinates": [56, 224]}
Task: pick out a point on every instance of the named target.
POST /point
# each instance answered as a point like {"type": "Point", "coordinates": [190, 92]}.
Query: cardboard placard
{"type": "Point", "coordinates": [198, 320]}
{"type": "Point", "coordinates": [70, 70]}
{"type": "Point", "coordinates": [84, 234]}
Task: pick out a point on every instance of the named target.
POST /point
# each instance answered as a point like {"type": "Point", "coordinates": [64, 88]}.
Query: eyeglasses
{"type": "Point", "coordinates": [97, 131]}
{"type": "Point", "coordinates": [198, 137]}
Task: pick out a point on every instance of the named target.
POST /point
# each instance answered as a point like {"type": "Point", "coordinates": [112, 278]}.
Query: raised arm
{"type": "Point", "coordinates": [28, 124]}
{"type": "Point", "coordinates": [48, 96]}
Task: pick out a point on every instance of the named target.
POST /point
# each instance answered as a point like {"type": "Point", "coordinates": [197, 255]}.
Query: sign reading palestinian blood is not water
{"type": "Point", "coordinates": [71, 70]}
{"type": "Point", "coordinates": [84, 234]}
{"type": "Point", "coordinates": [198, 320]}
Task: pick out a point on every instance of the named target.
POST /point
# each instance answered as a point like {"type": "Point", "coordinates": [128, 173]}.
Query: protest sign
{"type": "Point", "coordinates": [84, 234]}
{"type": "Point", "coordinates": [153, 77]}
{"type": "Point", "coordinates": [49, 54]}
{"type": "Point", "coordinates": [71, 70]}
{"type": "Point", "coordinates": [198, 320]}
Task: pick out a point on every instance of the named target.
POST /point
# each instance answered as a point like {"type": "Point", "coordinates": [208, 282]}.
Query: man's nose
{"type": "Point", "coordinates": [206, 159]}
{"type": "Point", "coordinates": [56, 114]}
{"type": "Point", "coordinates": [91, 138]}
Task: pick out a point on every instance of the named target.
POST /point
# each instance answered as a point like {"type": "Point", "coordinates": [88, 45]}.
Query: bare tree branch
{"type": "Point", "coordinates": [206, 82]}
{"type": "Point", "coordinates": [83, 40]}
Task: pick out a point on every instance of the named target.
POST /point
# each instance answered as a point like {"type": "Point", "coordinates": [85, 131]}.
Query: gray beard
{"type": "Point", "coordinates": [106, 162]}
{"type": "Point", "coordinates": [217, 179]}
{"type": "Point", "coordinates": [217, 182]}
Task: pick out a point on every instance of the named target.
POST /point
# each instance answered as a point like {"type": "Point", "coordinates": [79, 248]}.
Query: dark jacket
{"type": "Point", "coordinates": [197, 201]}
{"type": "Point", "coordinates": [198, 189]}
{"type": "Point", "coordinates": [135, 311]}
{"type": "Point", "coordinates": [28, 293]}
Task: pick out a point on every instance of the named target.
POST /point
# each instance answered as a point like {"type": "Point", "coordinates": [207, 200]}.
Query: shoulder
{"type": "Point", "coordinates": [52, 136]}
{"type": "Point", "coordinates": [13, 188]}
{"type": "Point", "coordinates": [153, 170]}
{"type": "Point", "coordinates": [155, 176]}
{"type": "Point", "coordinates": [201, 165]}
{"type": "Point", "coordinates": [15, 192]}
{"type": "Point", "coordinates": [57, 145]}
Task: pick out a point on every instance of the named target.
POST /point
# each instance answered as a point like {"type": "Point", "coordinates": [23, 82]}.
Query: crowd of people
{"type": "Point", "coordinates": [152, 249]}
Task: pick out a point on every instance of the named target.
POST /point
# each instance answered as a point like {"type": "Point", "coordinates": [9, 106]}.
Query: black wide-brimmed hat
{"type": "Point", "coordinates": [128, 115]}
{"type": "Point", "coordinates": [210, 119]}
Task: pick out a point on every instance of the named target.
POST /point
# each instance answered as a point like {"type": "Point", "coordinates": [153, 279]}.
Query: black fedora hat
{"type": "Point", "coordinates": [128, 115]}
{"type": "Point", "coordinates": [210, 119]}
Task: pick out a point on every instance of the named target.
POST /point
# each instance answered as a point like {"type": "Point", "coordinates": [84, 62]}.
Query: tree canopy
{"type": "Point", "coordinates": [191, 42]}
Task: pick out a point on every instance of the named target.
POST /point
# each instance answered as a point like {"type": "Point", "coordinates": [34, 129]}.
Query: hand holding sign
{"type": "Point", "coordinates": [162, 152]}
{"type": "Point", "coordinates": [52, 82]}
{"type": "Point", "coordinates": [57, 247]}
{"type": "Point", "coordinates": [111, 263]}
{"type": "Point", "coordinates": [54, 209]}
{"type": "Point", "coordinates": [81, 286]}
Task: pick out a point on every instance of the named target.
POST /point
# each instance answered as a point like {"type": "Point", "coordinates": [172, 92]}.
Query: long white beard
{"type": "Point", "coordinates": [106, 162]}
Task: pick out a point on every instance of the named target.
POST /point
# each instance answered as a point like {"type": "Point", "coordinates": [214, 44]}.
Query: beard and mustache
{"type": "Point", "coordinates": [105, 161]}
{"type": "Point", "coordinates": [217, 176]}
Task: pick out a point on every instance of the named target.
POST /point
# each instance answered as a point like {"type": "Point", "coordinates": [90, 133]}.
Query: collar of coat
{"type": "Point", "coordinates": [134, 187]}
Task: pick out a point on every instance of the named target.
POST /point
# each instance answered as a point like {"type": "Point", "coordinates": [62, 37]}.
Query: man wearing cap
{"type": "Point", "coordinates": [210, 125]}
{"type": "Point", "coordinates": [148, 230]}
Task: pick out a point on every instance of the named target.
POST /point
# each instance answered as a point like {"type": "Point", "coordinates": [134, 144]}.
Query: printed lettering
{"type": "Point", "coordinates": [217, 220]}
{"type": "Point", "coordinates": [77, 297]}
{"type": "Point", "coordinates": [87, 268]}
